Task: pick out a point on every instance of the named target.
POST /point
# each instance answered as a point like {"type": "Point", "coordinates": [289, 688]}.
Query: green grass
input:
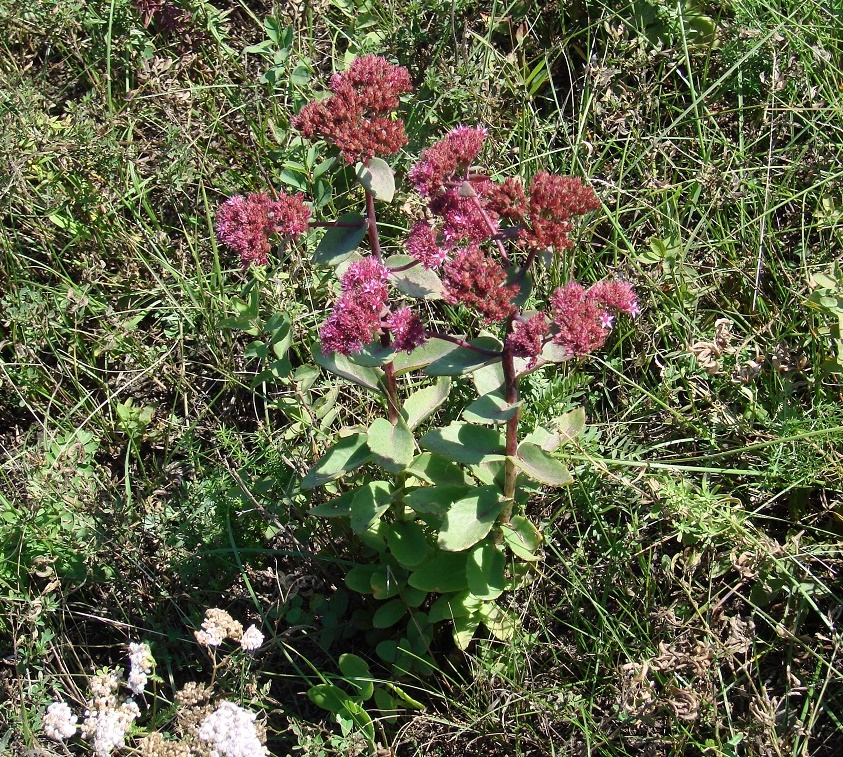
{"type": "Point", "coordinates": [689, 601]}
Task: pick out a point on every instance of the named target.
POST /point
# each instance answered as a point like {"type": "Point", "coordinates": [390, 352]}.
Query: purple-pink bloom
{"type": "Point", "coordinates": [407, 330]}
{"type": "Point", "coordinates": [553, 201]}
{"type": "Point", "coordinates": [476, 280]}
{"type": "Point", "coordinates": [527, 337]}
{"type": "Point", "coordinates": [423, 246]}
{"type": "Point", "coordinates": [356, 317]}
{"type": "Point", "coordinates": [447, 160]}
{"type": "Point", "coordinates": [245, 223]}
{"type": "Point", "coordinates": [583, 318]}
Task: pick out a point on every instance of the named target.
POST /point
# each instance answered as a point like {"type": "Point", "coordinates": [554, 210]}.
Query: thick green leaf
{"type": "Point", "coordinates": [465, 443]}
{"type": "Point", "coordinates": [338, 507]}
{"type": "Point", "coordinates": [541, 437]}
{"type": "Point", "coordinates": [417, 282]}
{"type": "Point", "coordinates": [432, 349]}
{"type": "Point", "coordinates": [444, 573]}
{"type": "Point", "coordinates": [359, 578]}
{"type": "Point", "coordinates": [385, 583]}
{"type": "Point", "coordinates": [349, 453]}
{"type": "Point", "coordinates": [570, 425]}
{"type": "Point", "coordinates": [370, 502]}
{"type": "Point", "coordinates": [501, 624]}
{"type": "Point", "coordinates": [387, 705]}
{"type": "Point", "coordinates": [392, 446]}
{"type": "Point", "coordinates": [453, 606]}
{"type": "Point", "coordinates": [469, 520]}
{"type": "Point", "coordinates": [408, 543]}
{"type": "Point", "coordinates": [342, 366]}
{"type": "Point", "coordinates": [488, 379]}
{"type": "Point", "coordinates": [541, 466]}
{"type": "Point", "coordinates": [328, 697]}
{"type": "Point", "coordinates": [340, 241]}
{"type": "Point", "coordinates": [377, 179]}
{"type": "Point", "coordinates": [437, 470]}
{"type": "Point", "coordinates": [464, 630]}
{"type": "Point", "coordinates": [353, 714]}
{"type": "Point", "coordinates": [490, 408]}
{"type": "Point", "coordinates": [389, 614]}
{"type": "Point", "coordinates": [522, 537]}
{"type": "Point", "coordinates": [355, 670]}
{"type": "Point", "coordinates": [403, 696]}
{"type": "Point", "coordinates": [435, 500]}
{"type": "Point", "coordinates": [485, 571]}
{"type": "Point", "coordinates": [464, 359]}
{"type": "Point", "coordinates": [372, 355]}
{"type": "Point", "coordinates": [421, 404]}
{"type": "Point", "coordinates": [413, 597]}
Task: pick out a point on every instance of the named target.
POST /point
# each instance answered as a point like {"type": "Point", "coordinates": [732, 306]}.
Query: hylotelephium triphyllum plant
{"type": "Point", "coordinates": [444, 511]}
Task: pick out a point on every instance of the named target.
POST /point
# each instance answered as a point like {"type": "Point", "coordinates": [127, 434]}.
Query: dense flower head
{"type": "Point", "coordinates": [584, 317]}
{"type": "Point", "coordinates": [476, 280]}
{"type": "Point", "coordinates": [356, 117]}
{"type": "Point", "coordinates": [506, 198]}
{"type": "Point", "coordinates": [252, 639]}
{"type": "Point", "coordinates": [245, 223]}
{"type": "Point", "coordinates": [218, 626]}
{"type": "Point", "coordinates": [231, 732]}
{"type": "Point", "coordinates": [422, 245]}
{"type": "Point", "coordinates": [59, 722]}
{"type": "Point", "coordinates": [356, 317]}
{"type": "Point", "coordinates": [462, 219]}
{"type": "Point", "coordinates": [140, 666]}
{"type": "Point", "coordinates": [553, 201]}
{"type": "Point", "coordinates": [447, 160]}
{"type": "Point", "coordinates": [406, 329]}
{"type": "Point", "coordinates": [527, 337]}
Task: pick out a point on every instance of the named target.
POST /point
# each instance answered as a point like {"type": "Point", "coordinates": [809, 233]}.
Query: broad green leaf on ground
{"type": "Point", "coordinates": [359, 578]}
{"type": "Point", "coordinates": [464, 630]}
{"type": "Point", "coordinates": [377, 179]}
{"type": "Point", "coordinates": [541, 466]}
{"type": "Point", "coordinates": [342, 366]}
{"type": "Point", "coordinates": [522, 538]}
{"type": "Point", "coordinates": [464, 359]}
{"type": "Point", "coordinates": [356, 671]}
{"type": "Point", "coordinates": [465, 443]}
{"type": "Point", "coordinates": [370, 502]}
{"type": "Point", "coordinates": [392, 446]}
{"type": "Point", "coordinates": [349, 453]}
{"type": "Point", "coordinates": [408, 543]}
{"type": "Point", "coordinates": [485, 571]}
{"type": "Point", "coordinates": [500, 623]}
{"type": "Point", "coordinates": [454, 606]}
{"type": "Point", "coordinates": [417, 282]}
{"type": "Point", "coordinates": [469, 520]}
{"type": "Point", "coordinates": [442, 574]}
{"type": "Point", "coordinates": [389, 613]}
{"type": "Point", "coordinates": [384, 582]}
{"type": "Point", "coordinates": [340, 241]}
{"type": "Point", "coordinates": [490, 408]}
{"type": "Point", "coordinates": [328, 697]}
{"type": "Point", "coordinates": [421, 404]}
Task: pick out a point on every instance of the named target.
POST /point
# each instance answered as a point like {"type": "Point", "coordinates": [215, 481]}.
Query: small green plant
{"type": "Point", "coordinates": [827, 298]}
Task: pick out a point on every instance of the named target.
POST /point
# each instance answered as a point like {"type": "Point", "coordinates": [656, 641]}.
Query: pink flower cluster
{"type": "Point", "coordinates": [361, 313]}
{"type": "Point", "coordinates": [357, 116]}
{"type": "Point", "coordinates": [553, 201]}
{"type": "Point", "coordinates": [245, 223]}
{"type": "Point", "coordinates": [447, 161]}
{"type": "Point", "coordinates": [583, 317]}
{"type": "Point", "coordinates": [476, 280]}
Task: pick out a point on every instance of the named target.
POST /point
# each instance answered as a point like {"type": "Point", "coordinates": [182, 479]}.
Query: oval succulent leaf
{"type": "Point", "coordinates": [377, 179]}
{"type": "Point", "coordinates": [340, 241]}
{"type": "Point", "coordinates": [541, 466]}
{"type": "Point", "coordinates": [392, 446]}
{"type": "Point", "coordinates": [422, 404]}
{"type": "Point", "coordinates": [465, 443]}
{"type": "Point", "coordinates": [469, 520]}
{"type": "Point", "coordinates": [349, 453]}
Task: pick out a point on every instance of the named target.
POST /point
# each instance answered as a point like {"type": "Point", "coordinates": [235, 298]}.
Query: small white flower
{"type": "Point", "coordinates": [231, 732]}
{"type": "Point", "coordinates": [217, 627]}
{"type": "Point", "coordinates": [141, 662]}
{"type": "Point", "coordinates": [108, 727]}
{"type": "Point", "coordinates": [252, 639]}
{"type": "Point", "coordinates": [59, 722]}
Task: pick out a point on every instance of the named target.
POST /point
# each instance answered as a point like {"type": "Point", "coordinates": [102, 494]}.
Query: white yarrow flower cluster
{"type": "Point", "coordinates": [140, 666]}
{"type": "Point", "coordinates": [252, 639]}
{"type": "Point", "coordinates": [217, 627]}
{"type": "Point", "coordinates": [59, 722]}
{"type": "Point", "coordinates": [231, 732]}
{"type": "Point", "coordinates": [105, 722]}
